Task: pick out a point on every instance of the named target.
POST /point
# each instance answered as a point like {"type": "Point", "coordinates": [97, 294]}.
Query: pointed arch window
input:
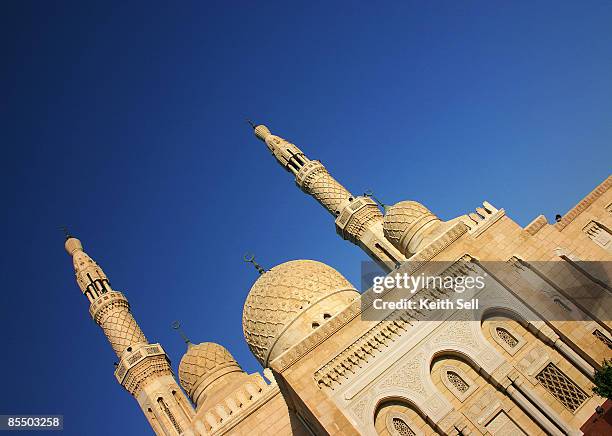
{"type": "Point", "coordinates": [506, 337]}
{"type": "Point", "coordinates": [398, 424]}
{"type": "Point", "coordinates": [458, 382]}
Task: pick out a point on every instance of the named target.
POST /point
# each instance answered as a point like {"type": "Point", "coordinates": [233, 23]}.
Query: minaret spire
{"type": "Point", "coordinates": [358, 219]}
{"type": "Point", "coordinates": [144, 369]}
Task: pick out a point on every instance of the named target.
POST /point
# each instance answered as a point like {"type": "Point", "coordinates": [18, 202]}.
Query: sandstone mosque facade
{"type": "Point", "coordinates": [525, 365]}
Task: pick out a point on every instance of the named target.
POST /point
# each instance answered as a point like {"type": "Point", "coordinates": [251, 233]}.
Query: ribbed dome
{"type": "Point", "coordinates": [203, 364]}
{"type": "Point", "coordinates": [403, 221]}
{"type": "Point", "coordinates": [286, 303]}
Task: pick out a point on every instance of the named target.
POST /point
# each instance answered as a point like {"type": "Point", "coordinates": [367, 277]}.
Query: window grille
{"type": "Point", "coordinates": [505, 336]}
{"type": "Point", "coordinates": [401, 427]}
{"type": "Point", "coordinates": [561, 387]}
{"type": "Point", "coordinates": [457, 382]}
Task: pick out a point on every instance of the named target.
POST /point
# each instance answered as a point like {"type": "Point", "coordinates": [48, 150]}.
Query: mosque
{"type": "Point", "coordinates": [521, 363]}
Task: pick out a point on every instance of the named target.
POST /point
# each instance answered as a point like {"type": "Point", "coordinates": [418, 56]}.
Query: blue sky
{"type": "Point", "coordinates": [126, 122]}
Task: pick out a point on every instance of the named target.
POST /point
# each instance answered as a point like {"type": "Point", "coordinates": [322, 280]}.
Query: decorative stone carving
{"type": "Point", "coordinates": [561, 387]}
{"type": "Point", "coordinates": [282, 304]}
{"type": "Point", "coordinates": [506, 337]}
{"type": "Point", "coordinates": [457, 382]}
{"type": "Point", "coordinates": [398, 424]}
{"type": "Point", "coordinates": [356, 218]}
{"type": "Point", "coordinates": [360, 352]}
{"type": "Point", "coordinates": [406, 375]}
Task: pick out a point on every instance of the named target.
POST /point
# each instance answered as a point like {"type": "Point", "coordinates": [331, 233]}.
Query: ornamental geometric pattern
{"type": "Point", "coordinates": [401, 428]}
{"type": "Point", "coordinates": [280, 294]}
{"type": "Point", "coordinates": [457, 382]}
{"type": "Point", "coordinates": [561, 387]}
{"type": "Point", "coordinates": [200, 360]}
{"type": "Point", "coordinates": [323, 187]}
{"type": "Point", "coordinates": [121, 329]}
{"type": "Point", "coordinates": [400, 217]}
{"type": "Point", "coordinates": [361, 221]}
{"type": "Point", "coordinates": [505, 336]}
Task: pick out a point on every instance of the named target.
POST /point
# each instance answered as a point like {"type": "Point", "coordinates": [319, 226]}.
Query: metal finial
{"type": "Point", "coordinates": [251, 123]}
{"type": "Point", "coordinates": [370, 193]}
{"type": "Point", "coordinates": [66, 233]}
{"type": "Point", "coordinates": [250, 258]}
{"type": "Point", "coordinates": [177, 326]}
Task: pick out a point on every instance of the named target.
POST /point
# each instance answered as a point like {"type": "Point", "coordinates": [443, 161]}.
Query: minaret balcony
{"type": "Point", "coordinates": [138, 361]}
{"type": "Point", "coordinates": [355, 218]}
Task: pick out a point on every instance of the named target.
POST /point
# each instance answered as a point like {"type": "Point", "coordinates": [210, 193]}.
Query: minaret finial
{"type": "Point", "coordinates": [176, 325]}
{"type": "Point", "coordinates": [66, 233]}
{"type": "Point", "coordinates": [250, 258]}
{"type": "Point", "coordinates": [251, 123]}
{"type": "Point", "coordinates": [370, 193]}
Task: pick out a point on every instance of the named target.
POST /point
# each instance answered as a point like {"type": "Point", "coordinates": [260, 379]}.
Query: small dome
{"type": "Point", "coordinates": [202, 365]}
{"type": "Point", "coordinates": [404, 223]}
{"type": "Point", "coordinates": [288, 302]}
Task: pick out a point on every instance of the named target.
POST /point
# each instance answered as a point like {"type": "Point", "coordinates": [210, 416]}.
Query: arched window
{"type": "Point", "coordinates": [398, 424]}
{"type": "Point", "coordinates": [458, 382]}
{"type": "Point", "coordinates": [401, 427]}
{"type": "Point", "coordinates": [506, 337]}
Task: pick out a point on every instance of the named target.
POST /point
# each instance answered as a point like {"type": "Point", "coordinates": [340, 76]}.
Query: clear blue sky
{"type": "Point", "coordinates": [125, 121]}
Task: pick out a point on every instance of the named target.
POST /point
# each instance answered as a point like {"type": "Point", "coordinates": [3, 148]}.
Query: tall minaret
{"type": "Point", "coordinates": [144, 369]}
{"type": "Point", "coordinates": [358, 219]}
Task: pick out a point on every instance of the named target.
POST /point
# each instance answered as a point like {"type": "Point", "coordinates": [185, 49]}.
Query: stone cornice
{"type": "Point", "coordinates": [584, 204]}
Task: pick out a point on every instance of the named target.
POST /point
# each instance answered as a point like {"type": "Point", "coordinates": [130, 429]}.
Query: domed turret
{"type": "Point", "coordinates": [288, 302]}
{"type": "Point", "coordinates": [206, 368]}
{"type": "Point", "coordinates": [406, 224]}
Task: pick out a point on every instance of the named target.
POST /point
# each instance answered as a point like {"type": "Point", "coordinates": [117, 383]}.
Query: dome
{"type": "Point", "coordinates": [202, 365]}
{"type": "Point", "coordinates": [288, 302]}
{"type": "Point", "coordinates": [405, 223]}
